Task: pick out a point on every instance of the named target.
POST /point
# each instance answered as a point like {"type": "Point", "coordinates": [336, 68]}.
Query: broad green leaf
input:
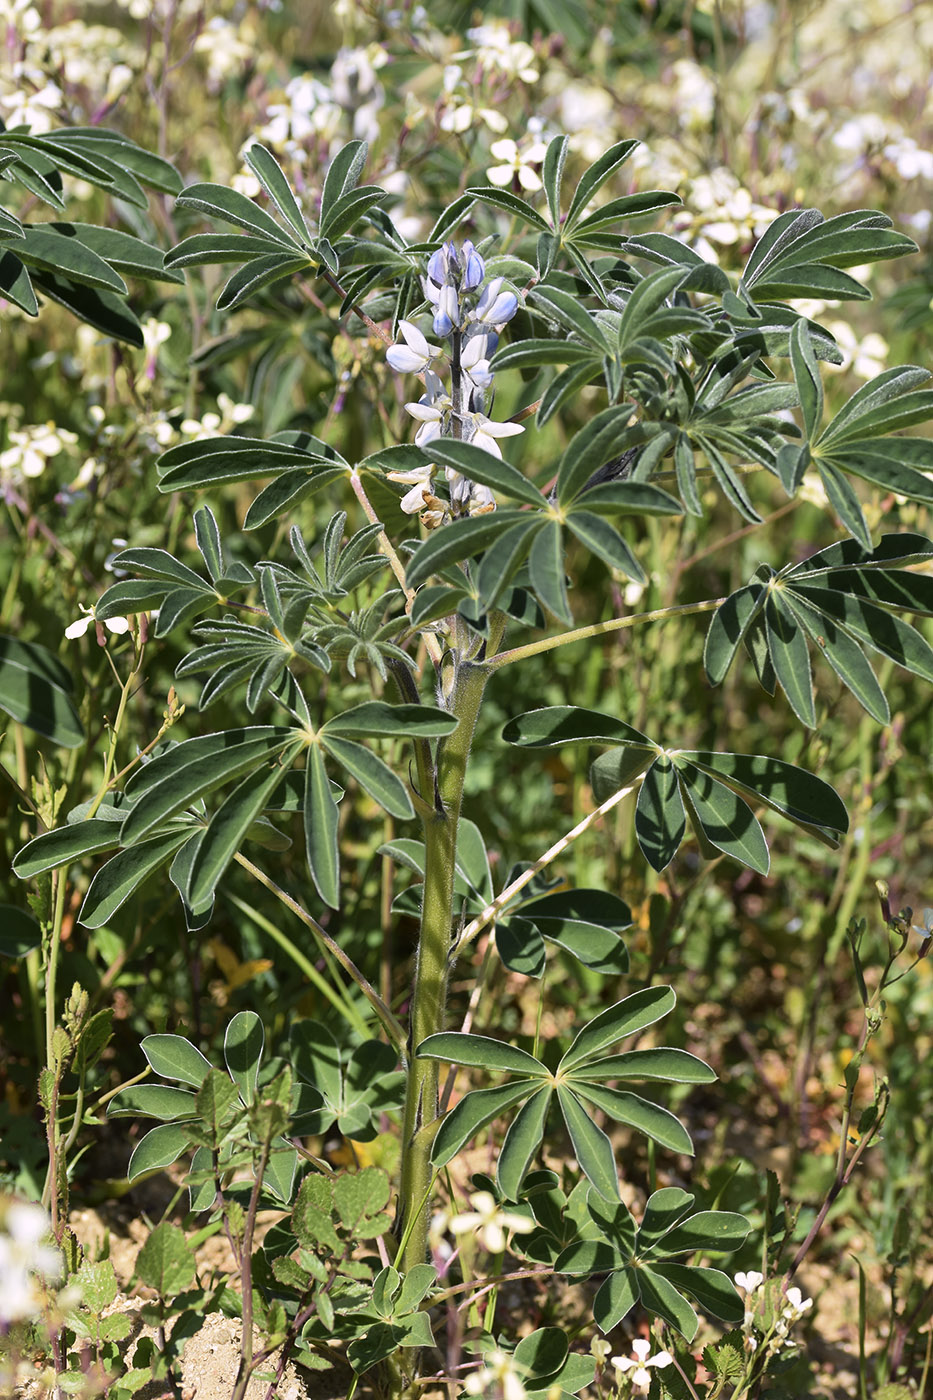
{"type": "Point", "coordinates": [243, 1046]}
{"type": "Point", "coordinates": [605, 542]}
{"type": "Point", "coordinates": [872, 409]}
{"type": "Point", "coordinates": [151, 169]}
{"type": "Point", "coordinates": [591, 448]}
{"type": "Point", "coordinates": [121, 250]}
{"type": "Point", "coordinates": [556, 725]}
{"type": "Point", "coordinates": [729, 628]}
{"type": "Point", "coordinates": [64, 845]}
{"type": "Point", "coordinates": [568, 311]}
{"type": "Point", "coordinates": [785, 788]}
{"type": "Point", "coordinates": [845, 502]}
{"type": "Point", "coordinates": [286, 491]}
{"type": "Point", "coordinates": [618, 769]}
{"type": "Point", "coordinates": [520, 945]}
{"type": "Point", "coordinates": [176, 778]}
{"type": "Point", "coordinates": [19, 932]}
{"type": "Point", "coordinates": [259, 273]}
{"type": "Point", "coordinates": [473, 1112]}
{"type": "Point", "coordinates": [217, 1102]}
{"type": "Point", "coordinates": [873, 627]}
{"type": "Point", "coordinates": [711, 1288]}
{"type": "Point", "coordinates": [35, 690]}
{"type": "Point", "coordinates": [98, 1284]}
{"type": "Point", "coordinates": [725, 820]}
{"type": "Point", "coordinates": [845, 656]}
{"type": "Point", "coordinates": [543, 1352]}
{"type": "Point", "coordinates": [807, 379]}
{"type": "Point", "coordinates": [371, 773]}
{"type": "Point", "coordinates": [106, 311]}
{"type": "Point", "coordinates": [510, 203]}
{"type": "Point", "coordinates": [589, 1256]}
{"type": "Point", "coordinates": [787, 648]}
{"type": "Point", "coordinates": [660, 820]}
{"type": "Point", "coordinates": [521, 1143]}
{"type": "Point", "coordinates": [662, 1062]}
{"type": "Point", "coordinates": [480, 1051]}
{"type": "Point", "coordinates": [503, 559]}
{"type": "Point", "coordinates": [591, 1147]}
{"type": "Point", "coordinates": [166, 1261]}
{"type": "Point", "coordinates": [123, 875]}
{"type": "Point", "coordinates": [209, 249]}
{"type": "Point", "coordinates": [659, 1296]}
{"type": "Point", "coordinates": [45, 246]}
{"type": "Point", "coordinates": [347, 211]}
{"type": "Point", "coordinates": [627, 206]}
{"type": "Point", "coordinates": [595, 177]}
{"type": "Point", "coordinates": [525, 354]}
{"type": "Point", "coordinates": [321, 818]}
{"type": "Point", "coordinates": [478, 465]}
{"type": "Point", "coordinates": [153, 1101]}
{"type": "Point", "coordinates": [648, 1118]}
{"type": "Point", "coordinates": [376, 720]}
{"type": "Point", "coordinates": [710, 1231]}
{"type": "Point", "coordinates": [552, 173]}
{"type": "Point", "coordinates": [342, 174]}
{"type": "Point", "coordinates": [268, 171]}
{"type": "Point", "coordinates": [626, 1017]}
{"type": "Point", "coordinates": [159, 1148]}
{"type": "Point", "coordinates": [173, 1057]}
{"type": "Point", "coordinates": [219, 202]}
{"type": "Point", "coordinates": [546, 569]}
{"type": "Point", "coordinates": [15, 285]}
{"type": "Point", "coordinates": [459, 540]}
{"type": "Point", "coordinates": [281, 1170]}
{"type": "Point", "coordinates": [227, 828]}
{"type": "Point", "coordinates": [615, 1298]}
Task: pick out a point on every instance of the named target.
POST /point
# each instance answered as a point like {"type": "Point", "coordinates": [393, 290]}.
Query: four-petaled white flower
{"type": "Point", "coordinates": [416, 355]}
{"type": "Point", "coordinates": [490, 1221]}
{"type": "Point", "coordinates": [796, 1305]}
{"type": "Point", "coordinates": [79, 627]}
{"type": "Point", "coordinates": [640, 1362]}
{"type": "Point", "coordinates": [516, 162]}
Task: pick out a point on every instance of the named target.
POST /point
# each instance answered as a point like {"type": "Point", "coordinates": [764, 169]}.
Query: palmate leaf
{"type": "Point", "coordinates": [711, 791]}
{"type": "Point", "coordinates": [801, 254]}
{"type": "Point", "coordinates": [639, 1263]}
{"type": "Point", "coordinates": [36, 691]}
{"type": "Point", "coordinates": [576, 1081]}
{"type": "Point", "coordinates": [840, 601]}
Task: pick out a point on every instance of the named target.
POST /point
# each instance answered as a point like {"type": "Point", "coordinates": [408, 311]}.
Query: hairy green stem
{"type": "Point", "coordinates": [599, 629]}
{"type": "Point", "coordinates": [429, 998]}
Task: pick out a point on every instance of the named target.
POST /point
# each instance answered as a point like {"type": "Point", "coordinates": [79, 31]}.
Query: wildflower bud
{"type": "Point", "coordinates": [474, 269]}
{"type": "Point", "coordinates": [882, 889]}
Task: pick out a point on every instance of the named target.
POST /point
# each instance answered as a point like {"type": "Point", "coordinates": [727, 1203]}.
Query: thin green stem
{"type": "Point", "coordinates": [392, 1025]}
{"type": "Point", "coordinates": [598, 629]}
{"type": "Point", "coordinates": [432, 963]}
{"type": "Point", "coordinates": [492, 910]}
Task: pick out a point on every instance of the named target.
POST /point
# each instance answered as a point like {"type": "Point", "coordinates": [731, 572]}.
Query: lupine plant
{"type": "Point", "coordinates": [362, 656]}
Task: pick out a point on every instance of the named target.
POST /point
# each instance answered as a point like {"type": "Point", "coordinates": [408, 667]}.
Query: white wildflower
{"type": "Point", "coordinates": [499, 1371]}
{"type": "Point", "coordinates": [118, 625]}
{"type": "Point", "coordinates": [639, 1363]}
{"type": "Point", "coordinates": [27, 1260]}
{"type": "Point", "coordinates": [516, 162]}
{"type": "Point", "coordinates": [490, 1221]}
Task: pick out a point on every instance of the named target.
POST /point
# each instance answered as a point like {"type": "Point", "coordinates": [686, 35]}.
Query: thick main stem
{"type": "Point", "coordinates": [429, 998]}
